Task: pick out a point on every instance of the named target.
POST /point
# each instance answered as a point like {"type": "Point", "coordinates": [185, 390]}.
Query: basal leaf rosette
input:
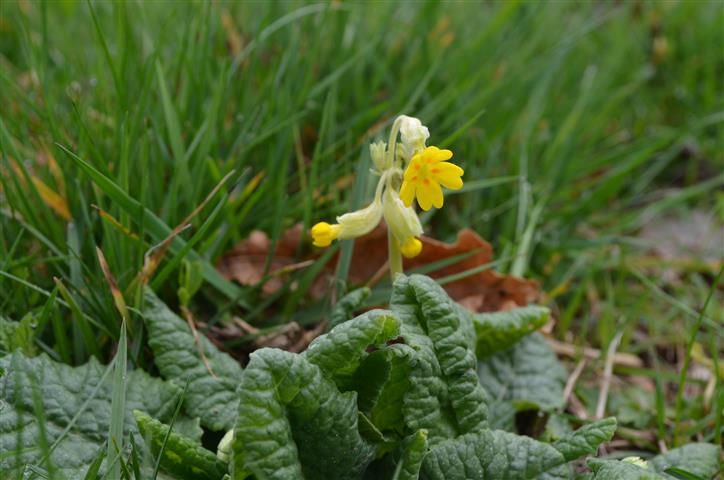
{"type": "Point", "coordinates": [293, 421]}
{"type": "Point", "coordinates": [393, 394]}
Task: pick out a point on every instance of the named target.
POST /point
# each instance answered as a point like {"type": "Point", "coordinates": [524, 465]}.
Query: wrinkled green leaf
{"type": "Point", "coordinates": [701, 459]}
{"type": "Point", "coordinates": [498, 331]}
{"type": "Point", "coordinates": [181, 456]}
{"type": "Point", "coordinates": [386, 411]}
{"type": "Point", "coordinates": [77, 405]}
{"type": "Point", "coordinates": [501, 415]}
{"type": "Point", "coordinates": [445, 397]}
{"type": "Point", "coordinates": [621, 470]}
{"type": "Point", "coordinates": [414, 450]}
{"type": "Point", "coordinates": [188, 427]}
{"type": "Point", "coordinates": [339, 352]}
{"type": "Point", "coordinates": [211, 397]}
{"type": "Point", "coordinates": [561, 472]}
{"type": "Point", "coordinates": [528, 374]}
{"type": "Point", "coordinates": [346, 306]}
{"type": "Point", "coordinates": [294, 423]}
{"type": "Point", "coordinates": [586, 439]}
{"type": "Point", "coordinates": [490, 454]}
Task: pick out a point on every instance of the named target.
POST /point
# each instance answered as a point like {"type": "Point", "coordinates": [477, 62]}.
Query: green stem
{"type": "Point", "coordinates": [392, 143]}
{"type": "Point", "coordinates": [395, 256]}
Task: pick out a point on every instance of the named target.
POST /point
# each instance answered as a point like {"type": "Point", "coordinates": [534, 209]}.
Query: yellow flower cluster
{"type": "Point", "coordinates": [424, 175]}
{"type": "Point", "coordinates": [427, 169]}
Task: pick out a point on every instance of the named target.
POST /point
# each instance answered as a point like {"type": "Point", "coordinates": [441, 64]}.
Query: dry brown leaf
{"type": "Point", "coordinates": [483, 291]}
{"type": "Point", "coordinates": [245, 263]}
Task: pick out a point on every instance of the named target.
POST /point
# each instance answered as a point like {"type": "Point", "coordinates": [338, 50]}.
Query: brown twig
{"type": "Point", "coordinates": [379, 274]}
{"type": "Point", "coordinates": [571, 383]}
{"type": "Point", "coordinates": [574, 351]}
{"type": "Point", "coordinates": [188, 316]}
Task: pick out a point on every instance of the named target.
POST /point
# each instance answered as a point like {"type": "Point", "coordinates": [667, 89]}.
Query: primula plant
{"type": "Point", "coordinates": [422, 389]}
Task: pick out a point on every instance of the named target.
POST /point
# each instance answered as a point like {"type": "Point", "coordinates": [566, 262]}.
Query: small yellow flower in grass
{"type": "Point", "coordinates": [424, 175]}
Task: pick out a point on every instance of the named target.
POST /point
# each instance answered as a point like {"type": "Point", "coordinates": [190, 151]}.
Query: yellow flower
{"type": "Point", "coordinates": [324, 233]}
{"type": "Point", "coordinates": [411, 248]}
{"type": "Point", "coordinates": [424, 175]}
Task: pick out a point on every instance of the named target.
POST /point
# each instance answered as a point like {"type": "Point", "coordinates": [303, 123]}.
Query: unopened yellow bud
{"type": "Point", "coordinates": [324, 234]}
{"type": "Point", "coordinates": [411, 247]}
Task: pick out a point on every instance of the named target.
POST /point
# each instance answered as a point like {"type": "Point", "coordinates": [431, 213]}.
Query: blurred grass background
{"type": "Point", "coordinates": [590, 133]}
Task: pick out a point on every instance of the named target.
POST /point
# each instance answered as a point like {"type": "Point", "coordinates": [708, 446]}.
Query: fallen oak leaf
{"type": "Point", "coordinates": [464, 262]}
{"type": "Point", "coordinates": [246, 262]}
{"type": "Point", "coordinates": [482, 291]}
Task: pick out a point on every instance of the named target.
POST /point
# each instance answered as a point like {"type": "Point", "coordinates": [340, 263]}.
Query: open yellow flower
{"type": "Point", "coordinates": [424, 175]}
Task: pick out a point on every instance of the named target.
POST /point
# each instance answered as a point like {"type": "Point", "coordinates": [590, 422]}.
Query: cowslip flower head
{"type": "Point", "coordinates": [425, 173]}
{"type": "Point", "coordinates": [426, 170]}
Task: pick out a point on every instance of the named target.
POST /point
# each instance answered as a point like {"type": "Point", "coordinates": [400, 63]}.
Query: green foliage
{"type": "Point", "coordinates": [414, 449]}
{"type": "Point", "coordinates": [490, 454]}
{"type": "Point", "coordinates": [445, 397]}
{"type": "Point", "coordinates": [700, 459]}
{"type": "Point", "coordinates": [294, 423]}
{"type": "Point", "coordinates": [18, 335]}
{"type": "Point", "coordinates": [180, 455]}
{"type": "Point", "coordinates": [586, 440]}
{"type": "Point", "coordinates": [293, 407]}
{"type": "Point", "coordinates": [346, 306]}
{"type": "Point", "coordinates": [119, 118]}
{"type": "Point", "coordinates": [388, 394]}
{"type": "Point", "coordinates": [696, 461]}
{"type": "Point", "coordinates": [498, 331]}
{"type": "Point", "coordinates": [212, 378]}
{"type": "Point", "coordinates": [528, 375]}
{"type": "Point", "coordinates": [73, 414]}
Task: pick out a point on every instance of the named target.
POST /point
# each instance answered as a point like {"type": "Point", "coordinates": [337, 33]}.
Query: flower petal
{"type": "Point", "coordinates": [424, 199]}
{"type": "Point", "coordinates": [414, 167]}
{"type": "Point", "coordinates": [407, 192]}
{"type": "Point", "coordinates": [435, 154]}
{"type": "Point", "coordinates": [429, 193]}
{"type": "Point", "coordinates": [448, 174]}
